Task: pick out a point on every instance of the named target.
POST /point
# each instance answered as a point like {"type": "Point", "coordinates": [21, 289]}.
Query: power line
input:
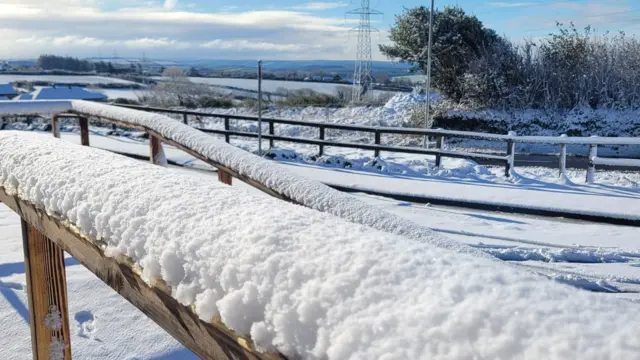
{"type": "Point", "coordinates": [362, 78]}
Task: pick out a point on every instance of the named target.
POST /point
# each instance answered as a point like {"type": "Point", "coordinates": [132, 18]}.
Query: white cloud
{"type": "Point", "coordinates": [510, 4]}
{"type": "Point", "coordinates": [170, 4]}
{"type": "Point", "coordinates": [315, 6]}
{"type": "Point", "coordinates": [81, 28]}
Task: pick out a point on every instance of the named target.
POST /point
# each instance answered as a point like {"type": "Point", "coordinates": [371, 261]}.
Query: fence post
{"type": "Point", "coordinates": [377, 142]}
{"type": "Point", "coordinates": [55, 126]}
{"type": "Point", "coordinates": [563, 158]}
{"type": "Point", "coordinates": [84, 130]}
{"type": "Point", "coordinates": [591, 169]}
{"type": "Point", "coordinates": [185, 119]}
{"type": "Point", "coordinates": [271, 132]}
{"type": "Point", "coordinates": [47, 296]}
{"type": "Point", "coordinates": [511, 154]}
{"type": "Point", "coordinates": [227, 137]}
{"type": "Point", "coordinates": [224, 177]}
{"type": "Point", "coordinates": [439, 146]}
{"type": "Point", "coordinates": [157, 152]}
{"type": "Point", "coordinates": [321, 151]}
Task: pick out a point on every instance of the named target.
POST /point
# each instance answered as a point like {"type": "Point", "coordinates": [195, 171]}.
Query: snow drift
{"type": "Point", "coordinates": [307, 283]}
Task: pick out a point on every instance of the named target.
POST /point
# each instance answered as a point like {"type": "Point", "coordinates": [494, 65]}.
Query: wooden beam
{"type": "Point", "coordinates": [47, 294]}
{"type": "Point", "coordinates": [224, 177]}
{"type": "Point", "coordinates": [55, 126]}
{"type": "Point", "coordinates": [84, 130]}
{"type": "Point", "coordinates": [157, 152]}
{"type": "Point", "coordinates": [208, 340]}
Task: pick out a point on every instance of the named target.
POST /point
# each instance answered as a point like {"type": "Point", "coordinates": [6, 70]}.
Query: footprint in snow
{"type": "Point", "coordinates": [86, 324]}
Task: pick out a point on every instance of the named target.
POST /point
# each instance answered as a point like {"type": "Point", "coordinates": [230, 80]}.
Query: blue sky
{"type": "Point", "coordinates": [268, 29]}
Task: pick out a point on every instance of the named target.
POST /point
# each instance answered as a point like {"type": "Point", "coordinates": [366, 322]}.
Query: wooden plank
{"type": "Point", "coordinates": [84, 130]}
{"type": "Point", "coordinates": [224, 177]}
{"type": "Point", "coordinates": [207, 340]}
{"type": "Point", "coordinates": [55, 126]}
{"type": "Point", "coordinates": [157, 151]}
{"type": "Point", "coordinates": [47, 293]}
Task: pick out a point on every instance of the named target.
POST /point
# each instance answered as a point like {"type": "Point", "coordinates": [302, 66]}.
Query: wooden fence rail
{"type": "Point", "coordinates": [508, 159]}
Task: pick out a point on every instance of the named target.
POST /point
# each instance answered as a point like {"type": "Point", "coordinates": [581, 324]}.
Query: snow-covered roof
{"type": "Point", "coordinates": [65, 93]}
{"type": "Point", "coordinates": [306, 283]}
{"type": "Point", "coordinates": [7, 89]}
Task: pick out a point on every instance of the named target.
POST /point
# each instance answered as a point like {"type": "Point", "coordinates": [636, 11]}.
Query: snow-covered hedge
{"type": "Point", "coordinates": [307, 283]}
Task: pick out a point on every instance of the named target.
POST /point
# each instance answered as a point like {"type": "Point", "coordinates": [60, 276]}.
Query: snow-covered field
{"type": "Point", "coordinates": [267, 85]}
{"type": "Point", "coordinates": [66, 79]}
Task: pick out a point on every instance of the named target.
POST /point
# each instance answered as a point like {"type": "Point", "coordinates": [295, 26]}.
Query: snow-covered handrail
{"type": "Point", "coordinates": [263, 174]}
{"type": "Point", "coordinates": [199, 257]}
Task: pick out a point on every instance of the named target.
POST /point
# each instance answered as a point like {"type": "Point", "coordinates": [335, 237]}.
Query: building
{"type": "Point", "coordinates": [62, 93]}
{"type": "Point", "coordinates": [7, 91]}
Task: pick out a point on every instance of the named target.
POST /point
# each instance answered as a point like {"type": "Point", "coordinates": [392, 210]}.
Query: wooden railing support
{"type": "Point", "coordinates": [55, 126]}
{"type": "Point", "coordinates": [84, 130]}
{"type": "Point", "coordinates": [563, 158]}
{"type": "Point", "coordinates": [185, 119]}
{"type": "Point", "coordinates": [157, 151]}
{"type": "Point", "coordinates": [439, 146]}
{"type": "Point", "coordinates": [271, 132]}
{"type": "Point", "coordinates": [376, 152]}
{"type": "Point", "coordinates": [47, 294]}
{"type": "Point", "coordinates": [321, 147]}
{"type": "Point", "coordinates": [227, 127]}
{"type": "Point", "coordinates": [224, 177]}
{"type": "Point", "coordinates": [511, 155]}
{"type": "Point", "coordinates": [591, 169]}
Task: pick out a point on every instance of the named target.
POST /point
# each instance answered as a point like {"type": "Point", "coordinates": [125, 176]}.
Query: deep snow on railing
{"type": "Point", "coordinates": [283, 277]}
{"type": "Point", "coordinates": [439, 134]}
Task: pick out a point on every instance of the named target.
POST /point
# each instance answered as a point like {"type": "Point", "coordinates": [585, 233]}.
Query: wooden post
{"type": "Point", "coordinates": [227, 137]}
{"type": "Point", "coordinates": [84, 131]}
{"type": "Point", "coordinates": [511, 155]}
{"type": "Point", "coordinates": [321, 147]}
{"type": "Point", "coordinates": [157, 151]}
{"type": "Point", "coordinates": [224, 177]}
{"type": "Point", "coordinates": [55, 126]}
{"type": "Point", "coordinates": [377, 142]}
{"type": "Point", "coordinates": [185, 119]}
{"type": "Point", "coordinates": [439, 146]}
{"type": "Point", "coordinates": [271, 132]}
{"type": "Point", "coordinates": [47, 295]}
{"type": "Point", "coordinates": [591, 170]}
{"type": "Point", "coordinates": [563, 158]}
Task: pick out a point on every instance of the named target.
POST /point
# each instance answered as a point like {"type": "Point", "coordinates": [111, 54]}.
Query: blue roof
{"type": "Point", "coordinates": [64, 93]}
{"type": "Point", "coordinates": [7, 89]}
